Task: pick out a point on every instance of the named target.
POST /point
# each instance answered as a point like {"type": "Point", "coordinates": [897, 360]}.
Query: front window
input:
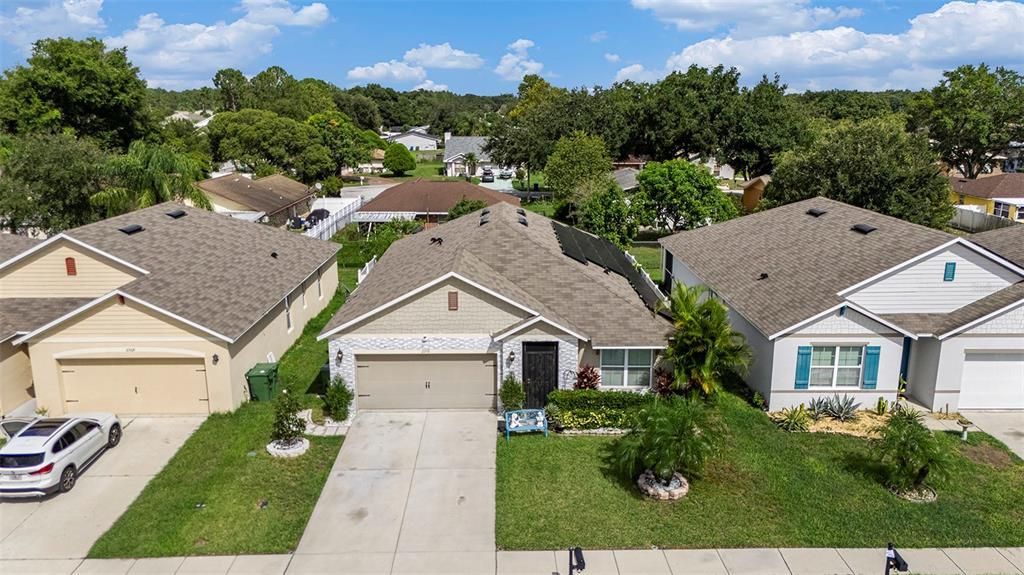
{"type": "Point", "coordinates": [836, 366]}
{"type": "Point", "coordinates": [1002, 210]}
{"type": "Point", "coordinates": [626, 367]}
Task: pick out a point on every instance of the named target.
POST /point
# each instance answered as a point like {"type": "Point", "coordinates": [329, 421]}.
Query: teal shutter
{"type": "Point", "coordinates": [950, 272]}
{"type": "Point", "coordinates": [803, 366]}
{"type": "Point", "coordinates": [871, 366]}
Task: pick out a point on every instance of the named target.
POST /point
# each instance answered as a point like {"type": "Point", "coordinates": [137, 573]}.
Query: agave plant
{"type": "Point", "coordinates": [794, 419]}
{"type": "Point", "coordinates": [908, 450]}
{"type": "Point", "coordinates": [841, 408]}
{"type": "Point", "coordinates": [670, 435]}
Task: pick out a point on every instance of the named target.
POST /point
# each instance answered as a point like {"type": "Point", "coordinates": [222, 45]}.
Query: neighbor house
{"type": "Point", "coordinates": [449, 313]}
{"type": "Point", "coordinates": [277, 197]}
{"type": "Point", "coordinates": [1001, 195]}
{"type": "Point", "coordinates": [427, 201]}
{"type": "Point", "coordinates": [835, 299]}
{"type": "Point", "coordinates": [753, 191]}
{"type": "Point", "coordinates": [159, 311]}
{"type": "Point", "coordinates": [457, 150]}
{"type": "Point", "coordinates": [415, 140]}
{"type": "Point", "coordinates": [625, 178]}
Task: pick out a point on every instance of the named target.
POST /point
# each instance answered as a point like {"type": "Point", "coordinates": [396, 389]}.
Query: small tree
{"type": "Point", "coordinates": [576, 158]}
{"type": "Point", "coordinates": [909, 451]}
{"type": "Point", "coordinates": [465, 206]}
{"type": "Point", "coordinates": [703, 346]}
{"type": "Point", "coordinates": [471, 162]}
{"type": "Point", "coordinates": [604, 210]}
{"type": "Point", "coordinates": [683, 195]}
{"type": "Point", "coordinates": [399, 160]}
{"type": "Point", "coordinates": [288, 427]}
{"type": "Point", "coordinates": [338, 399]}
{"type": "Point", "coordinates": [512, 394]}
{"type": "Point", "coordinates": [669, 436]}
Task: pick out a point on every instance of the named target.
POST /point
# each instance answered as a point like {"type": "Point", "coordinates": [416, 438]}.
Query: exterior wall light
{"type": "Point", "coordinates": [216, 359]}
{"type": "Point", "coordinates": [338, 356]}
{"type": "Point", "coordinates": [511, 356]}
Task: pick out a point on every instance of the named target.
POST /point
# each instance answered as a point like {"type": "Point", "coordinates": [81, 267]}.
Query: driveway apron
{"type": "Point", "coordinates": [408, 484]}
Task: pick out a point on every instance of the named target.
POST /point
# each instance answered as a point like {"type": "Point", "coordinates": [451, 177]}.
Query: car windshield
{"type": "Point", "coordinates": [18, 461]}
{"type": "Point", "coordinates": [43, 428]}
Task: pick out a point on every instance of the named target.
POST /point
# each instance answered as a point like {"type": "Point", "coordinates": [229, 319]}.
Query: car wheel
{"type": "Point", "coordinates": [114, 436]}
{"type": "Point", "coordinates": [67, 479]}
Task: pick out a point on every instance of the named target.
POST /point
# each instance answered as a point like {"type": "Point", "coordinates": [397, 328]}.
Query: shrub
{"type": "Point", "coordinates": [663, 380]}
{"type": "Point", "coordinates": [667, 436]}
{"type": "Point", "coordinates": [794, 419]}
{"type": "Point", "coordinates": [288, 427]}
{"type": "Point", "coordinates": [882, 406]}
{"type": "Point", "coordinates": [908, 450]}
{"type": "Point", "coordinates": [587, 378]}
{"type": "Point", "coordinates": [758, 401]}
{"type": "Point", "coordinates": [398, 159]}
{"type": "Point", "coordinates": [555, 416]}
{"type": "Point", "coordinates": [591, 409]}
{"type": "Point", "coordinates": [512, 394]}
{"type": "Point", "coordinates": [841, 409]}
{"type": "Point", "coordinates": [338, 399]}
{"type": "Point", "coordinates": [595, 418]}
{"type": "Point", "coordinates": [817, 407]}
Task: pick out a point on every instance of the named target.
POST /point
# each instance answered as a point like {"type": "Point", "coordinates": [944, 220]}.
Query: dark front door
{"type": "Point", "coordinates": [540, 372]}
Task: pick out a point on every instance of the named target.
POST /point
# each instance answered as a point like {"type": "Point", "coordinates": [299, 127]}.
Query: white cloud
{"type": "Point", "coordinates": [431, 86]}
{"type": "Point", "coordinates": [745, 17]}
{"type": "Point", "coordinates": [442, 56]}
{"type": "Point", "coordinates": [847, 58]}
{"type": "Point", "coordinates": [55, 18]}
{"type": "Point", "coordinates": [390, 70]}
{"type": "Point", "coordinates": [637, 73]}
{"type": "Point", "coordinates": [600, 36]}
{"type": "Point", "coordinates": [175, 55]}
{"type": "Point", "coordinates": [612, 57]}
{"type": "Point", "coordinates": [516, 63]}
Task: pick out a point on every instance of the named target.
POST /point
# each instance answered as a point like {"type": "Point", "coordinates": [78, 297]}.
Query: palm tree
{"type": "Point", "coordinates": [703, 346]}
{"type": "Point", "coordinates": [149, 174]}
{"type": "Point", "coordinates": [471, 164]}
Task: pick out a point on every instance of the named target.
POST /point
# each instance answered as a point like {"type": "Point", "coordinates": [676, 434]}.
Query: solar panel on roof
{"type": "Point", "coordinates": [568, 242]}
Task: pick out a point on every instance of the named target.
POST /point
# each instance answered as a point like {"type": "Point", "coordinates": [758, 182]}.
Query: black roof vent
{"type": "Point", "coordinates": [863, 229]}
{"type": "Point", "coordinates": [763, 276]}
{"type": "Point", "coordinates": [816, 212]}
{"type": "Point", "coordinates": [521, 211]}
{"type": "Point", "coordinates": [485, 212]}
{"type": "Point", "coordinates": [273, 255]}
{"type": "Point", "coordinates": [132, 229]}
{"type": "Point", "coordinates": [523, 221]}
{"type": "Point", "coordinates": [437, 241]}
{"type": "Point", "coordinates": [484, 220]}
{"type": "Point", "coordinates": [177, 213]}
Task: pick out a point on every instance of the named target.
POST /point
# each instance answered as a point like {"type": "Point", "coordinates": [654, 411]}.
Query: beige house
{"type": "Point", "coordinates": [448, 313]}
{"type": "Point", "coordinates": [160, 311]}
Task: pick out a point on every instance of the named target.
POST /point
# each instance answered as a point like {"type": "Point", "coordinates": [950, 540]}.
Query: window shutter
{"type": "Point", "coordinates": [803, 366]}
{"type": "Point", "coordinates": [871, 353]}
{"type": "Point", "coordinates": [70, 266]}
{"type": "Point", "coordinates": [950, 272]}
{"type": "Point", "coordinates": [453, 301]}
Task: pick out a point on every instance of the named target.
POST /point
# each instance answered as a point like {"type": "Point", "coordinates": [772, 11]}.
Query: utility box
{"type": "Point", "coordinates": [262, 380]}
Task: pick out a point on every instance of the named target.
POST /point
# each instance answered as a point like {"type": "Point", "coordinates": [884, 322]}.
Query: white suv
{"type": "Point", "coordinates": [46, 455]}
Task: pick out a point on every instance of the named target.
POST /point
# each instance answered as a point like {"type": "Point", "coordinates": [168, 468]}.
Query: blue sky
{"type": "Point", "coordinates": [486, 46]}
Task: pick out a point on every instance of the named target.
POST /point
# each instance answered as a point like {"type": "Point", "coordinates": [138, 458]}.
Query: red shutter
{"type": "Point", "coordinates": [453, 301]}
{"type": "Point", "coordinates": [69, 265]}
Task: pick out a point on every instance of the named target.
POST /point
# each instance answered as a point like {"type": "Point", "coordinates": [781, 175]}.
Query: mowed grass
{"type": "Point", "coordinates": [545, 208]}
{"type": "Point", "coordinates": [222, 493]}
{"type": "Point", "coordinates": [649, 258]}
{"type": "Point", "coordinates": [766, 488]}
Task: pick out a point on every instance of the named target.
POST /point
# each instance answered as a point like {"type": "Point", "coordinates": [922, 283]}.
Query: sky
{"type": "Point", "coordinates": [486, 46]}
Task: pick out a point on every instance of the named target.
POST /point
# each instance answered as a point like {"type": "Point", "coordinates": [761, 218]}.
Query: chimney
{"type": "Point", "coordinates": [447, 136]}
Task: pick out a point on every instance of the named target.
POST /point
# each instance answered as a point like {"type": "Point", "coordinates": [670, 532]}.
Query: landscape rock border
{"type": "Point", "coordinates": [652, 487]}
{"type": "Point", "coordinates": [923, 495]}
{"type": "Point", "coordinates": [295, 449]}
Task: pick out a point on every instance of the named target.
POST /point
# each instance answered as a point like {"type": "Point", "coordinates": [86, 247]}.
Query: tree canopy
{"type": "Point", "coordinates": [149, 174]}
{"type": "Point", "coordinates": [398, 159]}
{"type": "Point", "coordinates": [604, 211]}
{"type": "Point", "coordinates": [575, 158]}
{"type": "Point", "coordinates": [465, 206]}
{"type": "Point", "coordinates": [257, 137]}
{"type": "Point", "coordinates": [683, 195]}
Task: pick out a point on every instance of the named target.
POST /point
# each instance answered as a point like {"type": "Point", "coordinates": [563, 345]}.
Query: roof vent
{"type": "Point", "coordinates": [521, 211]}
{"type": "Point", "coordinates": [273, 255]}
{"type": "Point", "coordinates": [132, 229]}
{"type": "Point", "coordinates": [177, 214]}
{"type": "Point", "coordinates": [816, 212]}
{"type": "Point", "coordinates": [437, 241]}
{"type": "Point", "coordinates": [484, 220]}
{"type": "Point", "coordinates": [522, 220]}
{"type": "Point", "coordinates": [485, 211]}
{"type": "Point", "coordinates": [763, 276]}
{"type": "Point", "coordinates": [863, 229]}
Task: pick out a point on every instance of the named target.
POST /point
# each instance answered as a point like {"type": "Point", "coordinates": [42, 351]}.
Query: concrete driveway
{"type": "Point", "coordinates": [67, 524]}
{"type": "Point", "coordinates": [409, 490]}
{"type": "Point", "coordinates": [1006, 426]}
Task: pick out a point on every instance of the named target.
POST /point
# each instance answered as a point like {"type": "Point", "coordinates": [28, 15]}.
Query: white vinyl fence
{"type": "Point", "coordinates": [326, 229]}
{"type": "Point", "coordinates": [365, 270]}
{"type": "Point", "coordinates": [972, 221]}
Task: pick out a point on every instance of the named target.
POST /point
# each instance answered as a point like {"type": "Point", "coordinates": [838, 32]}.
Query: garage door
{"type": "Point", "coordinates": [142, 386]}
{"type": "Point", "coordinates": [993, 380]}
{"type": "Point", "coordinates": [426, 382]}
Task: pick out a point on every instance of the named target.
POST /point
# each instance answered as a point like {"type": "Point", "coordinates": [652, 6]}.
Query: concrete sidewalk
{"type": "Point", "coordinates": [958, 561]}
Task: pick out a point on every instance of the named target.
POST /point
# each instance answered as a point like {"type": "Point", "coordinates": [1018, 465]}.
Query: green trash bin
{"type": "Point", "coordinates": [262, 380]}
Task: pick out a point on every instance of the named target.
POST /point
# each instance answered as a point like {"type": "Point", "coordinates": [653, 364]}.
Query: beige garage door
{"type": "Point", "coordinates": [143, 386]}
{"type": "Point", "coordinates": [426, 382]}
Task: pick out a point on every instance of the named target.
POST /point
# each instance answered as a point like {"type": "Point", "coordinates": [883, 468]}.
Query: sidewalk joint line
{"type": "Point", "coordinates": [412, 480]}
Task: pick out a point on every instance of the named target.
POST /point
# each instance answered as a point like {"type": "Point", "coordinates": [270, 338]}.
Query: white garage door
{"type": "Point", "coordinates": [441, 381]}
{"type": "Point", "coordinates": [993, 380]}
{"type": "Point", "coordinates": [136, 386]}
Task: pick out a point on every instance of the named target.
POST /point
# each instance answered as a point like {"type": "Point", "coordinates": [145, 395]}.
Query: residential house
{"type": "Point", "coordinates": [753, 191]}
{"type": "Point", "coordinates": [374, 166]}
{"type": "Point", "coordinates": [635, 162]}
{"type": "Point", "coordinates": [626, 178]}
{"type": "Point", "coordinates": [159, 311]}
{"type": "Point", "coordinates": [1000, 195]}
{"type": "Point", "coordinates": [428, 201]}
{"type": "Point", "coordinates": [835, 299]}
{"type": "Point", "coordinates": [278, 197]}
{"type": "Point", "coordinates": [458, 148]}
{"type": "Point", "coordinates": [447, 314]}
{"type": "Point", "coordinates": [415, 140]}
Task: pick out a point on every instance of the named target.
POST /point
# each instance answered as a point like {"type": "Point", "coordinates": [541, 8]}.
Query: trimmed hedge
{"type": "Point", "coordinates": [591, 408]}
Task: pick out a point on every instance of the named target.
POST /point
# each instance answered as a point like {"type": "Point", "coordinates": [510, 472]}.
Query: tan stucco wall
{"type": "Point", "coordinates": [45, 275]}
{"type": "Point", "coordinates": [15, 376]}
{"type": "Point", "coordinates": [478, 312]}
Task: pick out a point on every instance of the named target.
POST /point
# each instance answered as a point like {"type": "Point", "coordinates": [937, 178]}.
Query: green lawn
{"type": "Point", "coordinates": [766, 488]}
{"type": "Point", "coordinates": [225, 468]}
{"type": "Point", "coordinates": [545, 208]}
{"type": "Point", "coordinates": [650, 259]}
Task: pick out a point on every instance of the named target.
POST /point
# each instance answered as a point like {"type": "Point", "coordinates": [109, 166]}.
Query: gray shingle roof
{"type": "Point", "coordinates": [270, 194]}
{"type": "Point", "coordinates": [942, 323]}
{"type": "Point", "coordinates": [626, 178]}
{"type": "Point", "coordinates": [1007, 242]}
{"type": "Point", "coordinates": [808, 260]}
{"type": "Point", "coordinates": [22, 315]}
{"type": "Point", "coordinates": [13, 244]}
{"type": "Point", "coordinates": [210, 269]}
{"type": "Point", "coordinates": [524, 264]}
{"type": "Point", "coordinates": [457, 145]}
